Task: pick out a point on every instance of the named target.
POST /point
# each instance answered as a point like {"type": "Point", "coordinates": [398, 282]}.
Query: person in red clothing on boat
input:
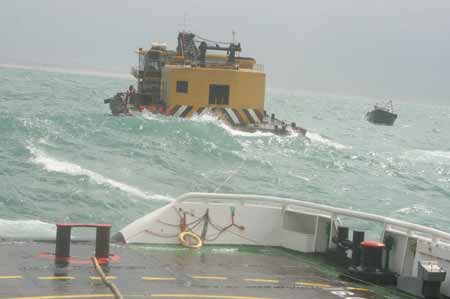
{"type": "Point", "coordinates": [131, 92]}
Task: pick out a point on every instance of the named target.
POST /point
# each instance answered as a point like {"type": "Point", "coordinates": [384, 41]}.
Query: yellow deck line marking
{"type": "Point", "coordinates": [11, 277]}
{"type": "Point", "coordinates": [56, 277]}
{"type": "Point", "coordinates": [157, 278]}
{"type": "Point", "coordinates": [99, 278]}
{"type": "Point", "coordinates": [67, 296]}
{"type": "Point", "coordinates": [358, 289]}
{"type": "Point", "coordinates": [311, 284]}
{"type": "Point", "coordinates": [209, 277]}
{"type": "Point", "coordinates": [79, 296]}
{"type": "Point", "coordinates": [261, 280]}
{"type": "Point", "coordinates": [204, 296]}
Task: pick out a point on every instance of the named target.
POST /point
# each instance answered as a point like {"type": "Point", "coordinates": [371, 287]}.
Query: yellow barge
{"type": "Point", "coordinates": [192, 81]}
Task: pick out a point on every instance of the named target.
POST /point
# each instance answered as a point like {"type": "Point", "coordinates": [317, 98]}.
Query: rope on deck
{"type": "Point", "coordinates": [110, 285]}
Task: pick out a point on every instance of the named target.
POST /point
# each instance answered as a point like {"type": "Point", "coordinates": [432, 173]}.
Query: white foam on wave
{"type": "Point", "coordinates": [67, 71]}
{"type": "Point", "coordinates": [415, 209]}
{"type": "Point", "coordinates": [442, 157]}
{"type": "Point", "coordinates": [317, 138]}
{"type": "Point", "coordinates": [205, 118]}
{"type": "Point", "coordinates": [44, 141]}
{"type": "Point", "coordinates": [51, 164]}
{"type": "Point", "coordinates": [155, 117]}
{"type": "Point", "coordinates": [27, 229]}
{"type": "Point", "coordinates": [304, 178]}
{"type": "Point", "coordinates": [234, 132]}
{"type": "Point", "coordinates": [209, 118]}
{"type": "Point", "coordinates": [213, 119]}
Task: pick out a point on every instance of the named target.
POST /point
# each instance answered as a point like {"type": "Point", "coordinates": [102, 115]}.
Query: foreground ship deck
{"type": "Point", "coordinates": [257, 247]}
{"type": "Point", "coordinates": [171, 271]}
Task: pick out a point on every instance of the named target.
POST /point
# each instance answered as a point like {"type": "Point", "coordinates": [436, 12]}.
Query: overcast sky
{"type": "Point", "coordinates": [379, 48]}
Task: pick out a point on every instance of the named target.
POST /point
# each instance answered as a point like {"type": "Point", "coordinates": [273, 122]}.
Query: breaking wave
{"type": "Point", "coordinates": [51, 164]}
{"type": "Point", "coordinates": [27, 229]}
{"type": "Point", "coordinates": [415, 209]}
{"type": "Point", "coordinates": [208, 118]}
{"type": "Point", "coordinates": [442, 157]}
{"type": "Point", "coordinates": [317, 138]}
{"type": "Point", "coordinates": [155, 117]}
{"type": "Point", "coordinates": [234, 132]}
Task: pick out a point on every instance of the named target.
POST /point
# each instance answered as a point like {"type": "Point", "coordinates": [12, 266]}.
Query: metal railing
{"type": "Point", "coordinates": [135, 72]}
{"type": "Point", "coordinates": [258, 67]}
{"type": "Point", "coordinates": [333, 212]}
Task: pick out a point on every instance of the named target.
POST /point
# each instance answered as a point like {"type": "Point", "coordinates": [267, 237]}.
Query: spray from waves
{"type": "Point", "coordinates": [205, 118]}
{"type": "Point", "coordinates": [26, 229]}
{"type": "Point", "coordinates": [155, 117]}
{"type": "Point", "coordinates": [316, 138]}
{"type": "Point", "coordinates": [212, 119]}
{"type": "Point", "coordinates": [234, 132]}
{"type": "Point", "coordinates": [440, 157]}
{"type": "Point", "coordinates": [51, 164]}
{"type": "Point", "coordinates": [208, 118]}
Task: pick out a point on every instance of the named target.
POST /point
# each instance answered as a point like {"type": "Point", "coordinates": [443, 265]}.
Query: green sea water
{"type": "Point", "coordinates": [64, 158]}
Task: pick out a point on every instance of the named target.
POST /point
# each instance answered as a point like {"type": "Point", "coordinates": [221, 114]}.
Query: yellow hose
{"type": "Point", "coordinates": [110, 285]}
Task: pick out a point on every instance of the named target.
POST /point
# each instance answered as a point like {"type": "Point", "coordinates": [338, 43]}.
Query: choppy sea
{"type": "Point", "coordinates": [64, 158]}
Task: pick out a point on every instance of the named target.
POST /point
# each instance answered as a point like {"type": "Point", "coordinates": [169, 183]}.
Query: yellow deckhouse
{"type": "Point", "coordinates": [190, 80]}
{"type": "Point", "coordinates": [213, 87]}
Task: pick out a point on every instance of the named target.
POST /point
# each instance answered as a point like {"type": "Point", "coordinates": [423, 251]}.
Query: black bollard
{"type": "Point", "coordinates": [102, 242]}
{"type": "Point", "coordinates": [372, 254]}
{"type": "Point", "coordinates": [358, 237]}
{"type": "Point", "coordinates": [62, 249]}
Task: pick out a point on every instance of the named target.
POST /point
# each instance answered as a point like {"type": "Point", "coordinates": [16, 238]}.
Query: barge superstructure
{"type": "Point", "coordinates": [201, 76]}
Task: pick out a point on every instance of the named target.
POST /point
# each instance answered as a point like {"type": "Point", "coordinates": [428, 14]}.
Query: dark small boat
{"type": "Point", "coordinates": [382, 114]}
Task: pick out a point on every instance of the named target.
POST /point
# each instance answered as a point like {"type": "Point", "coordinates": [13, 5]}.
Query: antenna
{"type": "Point", "coordinates": [233, 32]}
{"type": "Point", "coordinates": [185, 22]}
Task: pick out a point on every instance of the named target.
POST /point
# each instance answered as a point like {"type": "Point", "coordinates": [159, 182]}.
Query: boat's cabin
{"type": "Point", "coordinates": [387, 106]}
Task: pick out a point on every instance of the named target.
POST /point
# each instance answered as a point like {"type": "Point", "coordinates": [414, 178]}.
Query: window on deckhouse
{"type": "Point", "coordinates": [219, 94]}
